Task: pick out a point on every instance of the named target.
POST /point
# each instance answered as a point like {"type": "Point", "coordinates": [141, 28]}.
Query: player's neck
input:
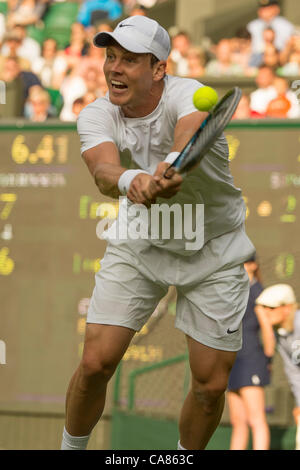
{"type": "Point", "coordinates": [146, 106]}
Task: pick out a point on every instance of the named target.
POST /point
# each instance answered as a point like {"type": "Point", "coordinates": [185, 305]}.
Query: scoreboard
{"type": "Point", "coordinates": [49, 251]}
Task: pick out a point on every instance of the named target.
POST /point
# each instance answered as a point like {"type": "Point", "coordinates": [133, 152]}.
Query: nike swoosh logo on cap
{"type": "Point", "coordinates": [123, 25]}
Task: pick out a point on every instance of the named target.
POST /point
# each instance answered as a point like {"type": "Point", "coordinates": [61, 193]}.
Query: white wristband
{"type": "Point", "coordinates": [126, 178]}
{"type": "Point", "coordinates": [171, 157]}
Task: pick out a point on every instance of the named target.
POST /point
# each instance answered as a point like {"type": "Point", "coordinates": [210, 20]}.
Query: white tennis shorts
{"type": "Point", "coordinates": [212, 288]}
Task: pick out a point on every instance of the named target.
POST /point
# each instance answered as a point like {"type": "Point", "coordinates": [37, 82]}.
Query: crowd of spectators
{"type": "Point", "coordinates": [266, 50]}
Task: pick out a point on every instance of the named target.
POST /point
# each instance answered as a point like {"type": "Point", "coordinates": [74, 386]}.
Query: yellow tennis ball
{"type": "Point", "coordinates": [205, 98]}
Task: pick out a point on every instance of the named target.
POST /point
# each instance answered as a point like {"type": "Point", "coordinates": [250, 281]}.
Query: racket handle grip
{"type": "Point", "coordinates": [169, 172]}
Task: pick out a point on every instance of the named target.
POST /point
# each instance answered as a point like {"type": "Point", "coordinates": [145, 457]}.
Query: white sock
{"type": "Point", "coordinates": [73, 443]}
{"type": "Point", "coordinates": [179, 446]}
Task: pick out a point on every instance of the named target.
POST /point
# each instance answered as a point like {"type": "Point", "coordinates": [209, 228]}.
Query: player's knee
{"type": "Point", "coordinates": [209, 395]}
{"type": "Point", "coordinates": [97, 369]}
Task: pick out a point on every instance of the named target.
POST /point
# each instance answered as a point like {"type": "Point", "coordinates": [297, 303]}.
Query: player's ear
{"type": "Point", "coordinates": [159, 70]}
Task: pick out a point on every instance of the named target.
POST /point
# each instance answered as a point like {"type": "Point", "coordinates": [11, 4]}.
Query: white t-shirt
{"type": "Point", "coordinates": [150, 139]}
{"type": "Point", "coordinates": [261, 97]}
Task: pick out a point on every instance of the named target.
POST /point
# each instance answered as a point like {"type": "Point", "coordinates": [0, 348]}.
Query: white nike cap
{"type": "Point", "coordinates": [138, 34]}
{"type": "Point", "coordinates": [277, 295]}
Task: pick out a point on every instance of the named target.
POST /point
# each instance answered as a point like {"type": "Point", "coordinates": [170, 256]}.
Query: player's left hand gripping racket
{"type": "Point", "coordinates": [207, 134]}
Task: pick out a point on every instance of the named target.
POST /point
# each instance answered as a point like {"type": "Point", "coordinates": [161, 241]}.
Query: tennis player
{"type": "Point", "coordinates": [152, 114]}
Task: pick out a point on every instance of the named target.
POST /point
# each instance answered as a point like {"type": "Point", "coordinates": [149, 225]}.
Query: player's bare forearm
{"type": "Point", "coordinates": [268, 336]}
{"type": "Point", "coordinates": [106, 178]}
{"type": "Point", "coordinates": [186, 128]}
{"type": "Point", "coordinates": [103, 162]}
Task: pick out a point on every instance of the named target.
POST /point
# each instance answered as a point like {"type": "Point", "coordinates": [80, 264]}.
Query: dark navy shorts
{"type": "Point", "coordinates": [247, 372]}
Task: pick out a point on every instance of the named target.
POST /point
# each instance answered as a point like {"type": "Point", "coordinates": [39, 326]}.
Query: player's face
{"type": "Point", "coordinates": [130, 79]}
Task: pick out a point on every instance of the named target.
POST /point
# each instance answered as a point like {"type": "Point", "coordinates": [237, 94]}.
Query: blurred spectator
{"type": "Point", "coordinates": [244, 110]}
{"type": "Point", "coordinates": [292, 68]}
{"type": "Point", "coordinates": [92, 81]}
{"type": "Point", "coordinates": [195, 62]}
{"type": "Point", "coordinates": [171, 66]}
{"type": "Point", "coordinates": [14, 89]}
{"type": "Point", "coordinates": [80, 103]}
{"type": "Point", "coordinates": [241, 50]}
{"type": "Point", "coordinates": [290, 57]}
{"type": "Point", "coordinates": [2, 27]}
{"type": "Point", "coordinates": [72, 87]}
{"type": "Point", "coordinates": [257, 59]}
{"type": "Point", "coordinates": [75, 86]}
{"type": "Point", "coordinates": [130, 5]}
{"type": "Point", "coordinates": [90, 33]}
{"type": "Point", "coordinates": [12, 70]}
{"type": "Point", "coordinates": [269, 16]}
{"type": "Point", "coordinates": [251, 374]}
{"type": "Point", "coordinates": [271, 57]}
{"type": "Point", "coordinates": [50, 67]}
{"type": "Point", "coordinates": [26, 12]}
{"type": "Point", "coordinates": [101, 27]}
{"type": "Point", "coordinates": [28, 48]}
{"type": "Point", "coordinates": [11, 44]}
{"type": "Point", "coordinates": [89, 97]}
{"type": "Point", "coordinates": [278, 306]}
{"type": "Point", "coordinates": [93, 11]}
{"type": "Point", "coordinates": [77, 107]}
{"type": "Point", "coordinates": [77, 46]}
{"type": "Point", "coordinates": [285, 104]}
{"type": "Point", "coordinates": [261, 97]}
{"type": "Point", "coordinates": [270, 88]}
{"type": "Point", "coordinates": [138, 10]}
{"type": "Point", "coordinates": [38, 105]}
{"type": "Point", "coordinates": [181, 44]}
{"type": "Point", "coordinates": [94, 58]}
{"type": "Point", "coordinates": [223, 64]}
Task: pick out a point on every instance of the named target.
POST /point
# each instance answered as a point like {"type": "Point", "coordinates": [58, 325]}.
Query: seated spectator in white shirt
{"type": "Point", "coordinates": [265, 92]}
{"type": "Point", "coordinates": [11, 44]}
{"type": "Point", "coordinates": [269, 16]}
{"type": "Point", "coordinates": [269, 88]}
{"type": "Point", "coordinates": [181, 44]}
{"type": "Point", "coordinates": [29, 48]}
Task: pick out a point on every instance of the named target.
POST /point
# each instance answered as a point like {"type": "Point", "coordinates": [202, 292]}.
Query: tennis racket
{"type": "Point", "coordinates": [207, 134]}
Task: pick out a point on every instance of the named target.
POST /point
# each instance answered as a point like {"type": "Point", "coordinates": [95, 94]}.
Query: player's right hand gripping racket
{"type": "Point", "coordinates": [207, 134]}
